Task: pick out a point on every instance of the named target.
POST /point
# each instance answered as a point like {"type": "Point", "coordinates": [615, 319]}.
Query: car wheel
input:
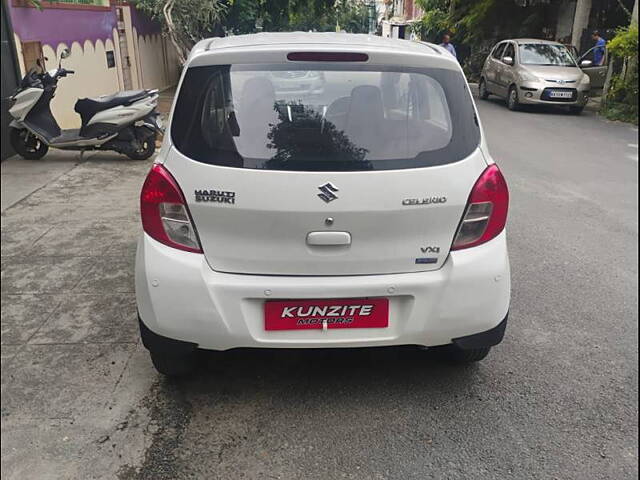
{"type": "Point", "coordinates": [460, 356]}
{"type": "Point", "coordinates": [576, 110]}
{"type": "Point", "coordinates": [482, 90]}
{"type": "Point", "coordinates": [26, 144]}
{"type": "Point", "coordinates": [512, 100]}
{"type": "Point", "coordinates": [174, 365]}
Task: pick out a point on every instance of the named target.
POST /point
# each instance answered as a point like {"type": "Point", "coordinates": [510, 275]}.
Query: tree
{"type": "Point", "coordinates": [186, 21]}
{"type": "Point", "coordinates": [353, 16]}
{"type": "Point", "coordinates": [620, 101]}
{"type": "Point", "coordinates": [248, 16]}
{"type": "Point", "coordinates": [477, 25]}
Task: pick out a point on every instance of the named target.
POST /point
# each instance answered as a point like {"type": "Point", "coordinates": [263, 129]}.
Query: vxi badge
{"type": "Point", "coordinates": [218, 196]}
{"type": "Point", "coordinates": [423, 201]}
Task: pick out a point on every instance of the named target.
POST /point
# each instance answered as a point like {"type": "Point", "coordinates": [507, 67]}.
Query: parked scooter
{"type": "Point", "coordinates": [125, 122]}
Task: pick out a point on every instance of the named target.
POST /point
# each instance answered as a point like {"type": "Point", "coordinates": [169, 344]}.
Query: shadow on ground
{"type": "Point", "coordinates": [286, 411]}
{"type": "Point", "coordinates": [338, 370]}
{"type": "Point", "coordinates": [539, 109]}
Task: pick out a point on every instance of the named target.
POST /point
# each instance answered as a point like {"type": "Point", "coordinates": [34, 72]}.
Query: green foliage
{"type": "Point", "coordinates": [433, 24]}
{"type": "Point", "coordinates": [620, 111]}
{"type": "Point", "coordinates": [353, 16]}
{"type": "Point", "coordinates": [625, 43]}
{"type": "Point", "coordinates": [193, 19]}
{"type": "Point", "coordinates": [245, 16]}
{"type": "Point", "coordinates": [242, 16]}
{"type": "Point", "coordinates": [188, 21]}
{"type": "Point", "coordinates": [305, 15]}
{"type": "Point", "coordinates": [622, 97]}
{"type": "Point", "coordinates": [477, 25]}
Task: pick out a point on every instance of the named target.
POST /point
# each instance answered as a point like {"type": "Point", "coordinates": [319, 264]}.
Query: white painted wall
{"type": "Point", "coordinates": [153, 67]}
{"type": "Point", "coordinates": [16, 41]}
{"type": "Point", "coordinates": [92, 78]}
{"type": "Point", "coordinates": [156, 57]}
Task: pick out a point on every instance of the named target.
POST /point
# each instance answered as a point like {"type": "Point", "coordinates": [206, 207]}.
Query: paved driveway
{"type": "Point", "coordinates": [558, 399]}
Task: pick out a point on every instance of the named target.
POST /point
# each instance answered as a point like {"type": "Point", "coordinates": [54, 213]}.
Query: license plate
{"type": "Point", "coordinates": [329, 314]}
{"type": "Point", "coordinates": [561, 94]}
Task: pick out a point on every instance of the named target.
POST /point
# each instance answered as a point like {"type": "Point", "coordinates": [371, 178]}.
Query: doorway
{"type": "Point", "coordinates": [32, 55]}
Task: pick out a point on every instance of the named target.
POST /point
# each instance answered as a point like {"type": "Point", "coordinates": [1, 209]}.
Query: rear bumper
{"type": "Point", "coordinates": [158, 343]}
{"type": "Point", "coordinates": [180, 298]}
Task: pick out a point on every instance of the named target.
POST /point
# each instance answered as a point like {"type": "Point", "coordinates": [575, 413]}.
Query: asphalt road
{"type": "Point", "coordinates": [556, 400]}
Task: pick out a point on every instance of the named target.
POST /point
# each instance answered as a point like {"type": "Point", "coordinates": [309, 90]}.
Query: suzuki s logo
{"type": "Point", "coordinates": [327, 192]}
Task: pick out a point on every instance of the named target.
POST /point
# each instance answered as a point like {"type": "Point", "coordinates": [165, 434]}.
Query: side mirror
{"type": "Point", "coordinates": [66, 53]}
{"type": "Point", "coordinates": [586, 63]}
{"type": "Point", "coordinates": [507, 60]}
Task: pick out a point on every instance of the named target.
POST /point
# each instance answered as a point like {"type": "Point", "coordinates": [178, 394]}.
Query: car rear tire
{"type": "Point", "coordinates": [26, 144]}
{"type": "Point", "coordinates": [460, 356]}
{"type": "Point", "coordinates": [513, 103]}
{"type": "Point", "coordinates": [174, 365]}
{"type": "Point", "coordinates": [576, 110]}
{"type": "Point", "coordinates": [483, 93]}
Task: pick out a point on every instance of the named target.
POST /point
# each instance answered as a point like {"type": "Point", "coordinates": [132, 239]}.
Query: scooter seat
{"type": "Point", "coordinates": [88, 107]}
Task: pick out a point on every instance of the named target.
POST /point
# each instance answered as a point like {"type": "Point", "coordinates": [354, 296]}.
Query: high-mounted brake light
{"type": "Point", "coordinates": [165, 216]}
{"type": "Point", "coordinates": [486, 213]}
{"type": "Point", "coordinates": [327, 57]}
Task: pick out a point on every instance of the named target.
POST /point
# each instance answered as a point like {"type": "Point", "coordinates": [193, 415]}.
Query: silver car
{"type": "Point", "coordinates": [527, 71]}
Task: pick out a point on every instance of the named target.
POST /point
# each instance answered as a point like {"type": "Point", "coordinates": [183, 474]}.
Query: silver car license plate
{"type": "Point", "coordinates": [561, 94]}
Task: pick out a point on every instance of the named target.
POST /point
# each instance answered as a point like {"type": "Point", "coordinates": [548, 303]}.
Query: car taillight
{"type": "Point", "coordinates": [486, 213]}
{"type": "Point", "coordinates": [165, 216]}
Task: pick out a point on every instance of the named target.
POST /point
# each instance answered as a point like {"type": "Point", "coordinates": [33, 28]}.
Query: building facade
{"type": "Point", "coordinates": [399, 15]}
{"type": "Point", "coordinates": [113, 47]}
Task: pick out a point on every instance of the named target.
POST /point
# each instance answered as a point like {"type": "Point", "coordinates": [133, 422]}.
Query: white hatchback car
{"type": "Point", "coordinates": [364, 213]}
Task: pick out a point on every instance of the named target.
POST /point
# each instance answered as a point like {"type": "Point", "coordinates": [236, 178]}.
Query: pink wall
{"type": "Point", "coordinates": [54, 25]}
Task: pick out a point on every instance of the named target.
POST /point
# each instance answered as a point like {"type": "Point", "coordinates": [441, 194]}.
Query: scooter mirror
{"type": "Point", "coordinates": [66, 53]}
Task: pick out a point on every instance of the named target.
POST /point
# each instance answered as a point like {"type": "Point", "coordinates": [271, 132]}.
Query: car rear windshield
{"type": "Point", "coordinates": [546, 54]}
{"type": "Point", "coordinates": [324, 117]}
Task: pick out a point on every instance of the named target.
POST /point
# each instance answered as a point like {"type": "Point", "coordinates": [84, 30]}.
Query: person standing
{"type": "Point", "coordinates": [599, 50]}
{"type": "Point", "coordinates": [447, 45]}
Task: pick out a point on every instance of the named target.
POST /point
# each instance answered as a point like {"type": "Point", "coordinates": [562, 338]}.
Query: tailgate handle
{"type": "Point", "coordinates": [328, 238]}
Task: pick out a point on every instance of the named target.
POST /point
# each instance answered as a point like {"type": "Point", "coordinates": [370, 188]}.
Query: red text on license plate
{"type": "Point", "coordinates": [340, 313]}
